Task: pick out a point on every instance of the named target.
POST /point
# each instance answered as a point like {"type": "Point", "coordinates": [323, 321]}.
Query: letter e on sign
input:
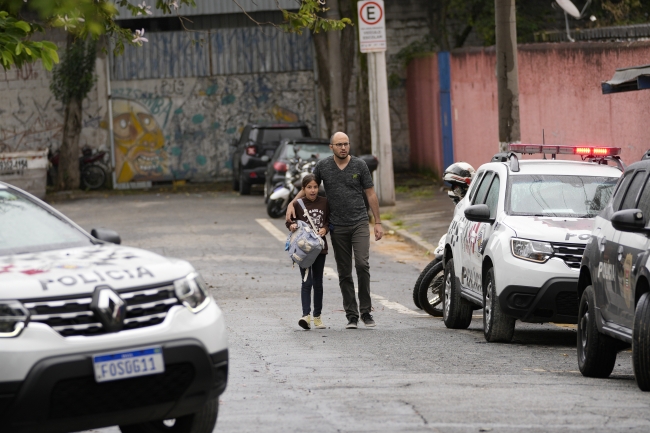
{"type": "Point", "coordinates": [372, 28]}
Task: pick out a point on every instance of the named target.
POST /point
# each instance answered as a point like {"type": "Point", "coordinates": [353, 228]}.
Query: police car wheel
{"type": "Point", "coordinates": [457, 312]}
{"type": "Point", "coordinates": [641, 343]}
{"type": "Point", "coordinates": [202, 421]}
{"type": "Point", "coordinates": [432, 290]}
{"type": "Point", "coordinates": [497, 327]}
{"type": "Point", "coordinates": [416, 288]}
{"type": "Point", "coordinates": [596, 352]}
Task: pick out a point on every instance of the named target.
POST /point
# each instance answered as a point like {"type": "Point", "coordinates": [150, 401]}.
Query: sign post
{"type": "Point", "coordinates": [372, 40]}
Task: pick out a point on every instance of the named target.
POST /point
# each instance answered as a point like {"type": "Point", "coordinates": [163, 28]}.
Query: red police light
{"type": "Point", "coordinates": [564, 150]}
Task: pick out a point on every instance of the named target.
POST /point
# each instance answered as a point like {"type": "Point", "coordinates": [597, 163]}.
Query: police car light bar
{"type": "Point", "coordinates": [565, 150]}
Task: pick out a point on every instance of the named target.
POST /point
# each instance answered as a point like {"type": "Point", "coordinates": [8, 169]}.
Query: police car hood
{"type": "Point", "coordinates": [551, 229]}
{"type": "Point", "coordinates": [77, 271]}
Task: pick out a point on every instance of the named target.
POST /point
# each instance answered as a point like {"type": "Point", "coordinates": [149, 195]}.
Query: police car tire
{"type": "Point", "coordinates": [202, 421]}
{"type": "Point", "coordinates": [498, 327]}
{"type": "Point", "coordinates": [459, 311]}
{"type": "Point", "coordinates": [416, 288]}
{"type": "Point", "coordinates": [641, 343]}
{"type": "Point", "coordinates": [596, 351]}
{"type": "Point", "coordinates": [434, 277]}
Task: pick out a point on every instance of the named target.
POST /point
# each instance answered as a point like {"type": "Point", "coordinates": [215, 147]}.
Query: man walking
{"type": "Point", "coordinates": [346, 178]}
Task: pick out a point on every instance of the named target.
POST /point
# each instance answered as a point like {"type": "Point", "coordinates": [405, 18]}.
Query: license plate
{"type": "Point", "coordinates": [132, 363]}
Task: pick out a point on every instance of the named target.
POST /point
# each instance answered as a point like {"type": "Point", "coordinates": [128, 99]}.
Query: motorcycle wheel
{"type": "Point", "coordinates": [92, 177]}
{"type": "Point", "coordinates": [431, 290]}
{"type": "Point", "coordinates": [275, 208]}
{"type": "Point", "coordinates": [416, 288]}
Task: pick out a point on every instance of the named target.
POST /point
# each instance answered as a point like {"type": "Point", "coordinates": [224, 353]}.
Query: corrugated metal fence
{"type": "Point", "coordinates": [215, 52]}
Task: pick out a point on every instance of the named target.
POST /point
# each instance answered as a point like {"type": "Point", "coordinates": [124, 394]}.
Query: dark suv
{"type": "Point", "coordinates": [613, 287]}
{"type": "Point", "coordinates": [255, 148]}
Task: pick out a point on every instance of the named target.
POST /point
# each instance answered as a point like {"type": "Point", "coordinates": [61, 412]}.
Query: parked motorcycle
{"type": "Point", "coordinates": [285, 192]}
{"type": "Point", "coordinates": [93, 170]}
{"type": "Point", "coordinates": [429, 287]}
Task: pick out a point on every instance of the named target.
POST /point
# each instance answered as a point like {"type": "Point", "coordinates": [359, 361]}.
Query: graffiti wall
{"type": "Point", "coordinates": [30, 117]}
{"type": "Point", "coordinates": [181, 128]}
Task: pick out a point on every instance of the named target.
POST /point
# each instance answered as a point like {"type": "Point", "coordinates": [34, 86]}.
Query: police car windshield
{"type": "Point", "coordinates": [559, 196]}
{"type": "Point", "coordinates": [26, 227]}
{"type": "Point", "coordinates": [305, 151]}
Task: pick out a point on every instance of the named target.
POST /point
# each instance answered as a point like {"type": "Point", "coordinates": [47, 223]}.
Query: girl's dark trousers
{"type": "Point", "coordinates": [315, 280]}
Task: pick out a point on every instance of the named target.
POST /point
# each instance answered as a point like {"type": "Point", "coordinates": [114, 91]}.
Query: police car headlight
{"type": "Point", "coordinates": [192, 292]}
{"type": "Point", "coordinates": [533, 251]}
{"type": "Point", "coordinates": [13, 319]}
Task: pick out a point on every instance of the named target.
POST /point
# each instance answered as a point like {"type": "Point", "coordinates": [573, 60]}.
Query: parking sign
{"type": "Point", "coordinates": [372, 28]}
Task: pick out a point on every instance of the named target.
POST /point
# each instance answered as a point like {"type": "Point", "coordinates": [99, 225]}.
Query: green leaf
{"type": "Point", "coordinates": [23, 26]}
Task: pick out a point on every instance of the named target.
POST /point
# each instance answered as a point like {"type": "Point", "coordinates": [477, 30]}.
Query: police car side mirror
{"type": "Point", "coordinates": [106, 235]}
{"type": "Point", "coordinates": [479, 213]}
{"type": "Point", "coordinates": [630, 220]}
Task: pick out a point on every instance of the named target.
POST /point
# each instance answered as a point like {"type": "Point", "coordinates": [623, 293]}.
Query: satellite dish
{"type": "Point", "coordinates": [569, 8]}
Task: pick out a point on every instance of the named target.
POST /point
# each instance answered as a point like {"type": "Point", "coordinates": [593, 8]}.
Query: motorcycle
{"type": "Point", "coordinates": [285, 192]}
{"type": "Point", "coordinates": [429, 287]}
{"type": "Point", "coordinates": [93, 170]}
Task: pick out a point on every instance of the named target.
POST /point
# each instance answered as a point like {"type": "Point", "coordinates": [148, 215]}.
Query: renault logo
{"type": "Point", "coordinates": [109, 308]}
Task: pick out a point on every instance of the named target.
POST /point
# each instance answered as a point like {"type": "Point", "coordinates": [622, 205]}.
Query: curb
{"type": "Point", "coordinates": [410, 238]}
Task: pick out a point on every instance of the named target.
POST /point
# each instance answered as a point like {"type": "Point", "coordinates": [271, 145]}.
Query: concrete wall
{"type": "Point", "coordinates": [190, 121]}
{"type": "Point", "coordinates": [30, 117]}
{"type": "Point", "coordinates": [560, 92]}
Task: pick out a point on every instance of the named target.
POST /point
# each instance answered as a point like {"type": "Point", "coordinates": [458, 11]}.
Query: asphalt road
{"type": "Point", "coordinates": [409, 374]}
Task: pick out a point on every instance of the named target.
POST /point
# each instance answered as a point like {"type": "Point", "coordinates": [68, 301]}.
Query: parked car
{"type": "Point", "coordinates": [515, 243]}
{"type": "Point", "coordinates": [613, 288]}
{"type": "Point", "coordinates": [254, 149]}
{"type": "Point", "coordinates": [279, 163]}
{"type": "Point", "coordinates": [95, 334]}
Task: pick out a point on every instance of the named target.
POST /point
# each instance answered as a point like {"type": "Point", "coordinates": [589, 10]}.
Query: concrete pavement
{"type": "Point", "coordinates": [408, 374]}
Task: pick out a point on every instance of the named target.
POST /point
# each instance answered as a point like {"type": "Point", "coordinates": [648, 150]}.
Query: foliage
{"type": "Point", "coordinates": [21, 19]}
{"type": "Point", "coordinates": [74, 77]}
{"type": "Point", "coordinates": [15, 47]}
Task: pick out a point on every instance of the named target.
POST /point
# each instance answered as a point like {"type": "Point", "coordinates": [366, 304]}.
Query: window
{"type": "Point", "coordinates": [620, 190]}
{"type": "Point", "coordinates": [492, 199]}
{"type": "Point", "coordinates": [644, 202]}
{"type": "Point", "coordinates": [558, 195]}
{"type": "Point", "coordinates": [474, 186]}
{"type": "Point", "coordinates": [482, 188]}
{"type": "Point", "coordinates": [306, 151]}
{"type": "Point", "coordinates": [277, 134]}
{"type": "Point", "coordinates": [26, 227]}
{"type": "Point", "coordinates": [629, 201]}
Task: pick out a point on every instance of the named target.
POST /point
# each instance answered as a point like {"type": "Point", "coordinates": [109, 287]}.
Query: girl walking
{"type": "Point", "coordinates": [319, 213]}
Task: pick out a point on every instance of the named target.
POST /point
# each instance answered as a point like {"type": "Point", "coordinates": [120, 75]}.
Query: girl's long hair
{"type": "Point", "coordinates": [307, 179]}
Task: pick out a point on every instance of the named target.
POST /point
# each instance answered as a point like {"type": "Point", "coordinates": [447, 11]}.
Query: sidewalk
{"type": "Point", "coordinates": [421, 215]}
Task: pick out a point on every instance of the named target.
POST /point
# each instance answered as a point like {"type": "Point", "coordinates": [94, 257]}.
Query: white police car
{"type": "Point", "coordinates": [95, 334]}
{"type": "Point", "coordinates": [515, 243]}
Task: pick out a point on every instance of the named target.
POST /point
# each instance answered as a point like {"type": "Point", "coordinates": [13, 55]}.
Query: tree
{"type": "Point", "coordinates": [72, 79]}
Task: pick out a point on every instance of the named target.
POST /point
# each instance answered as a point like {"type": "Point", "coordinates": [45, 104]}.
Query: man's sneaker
{"type": "Point", "coordinates": [318, 323]}
{"type": "Point", "coordinates": [304, 322]}
{"type": "Point", "coordinates": [352, 323]}
{"type": "Point", "coordinates": [367, 320]}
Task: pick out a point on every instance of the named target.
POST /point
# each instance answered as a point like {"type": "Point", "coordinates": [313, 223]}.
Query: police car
{"type": "Point", "coordinates": [95, 334]}
{"type": "Point", "coordinates": [515, 243]}
{"type": "Point", "coordinates": [613, 288]}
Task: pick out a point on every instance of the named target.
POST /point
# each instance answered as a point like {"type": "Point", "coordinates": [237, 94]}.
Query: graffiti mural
{"type": "Point", "coordinates": [192, 120]}
{"type": "Point", "coordinates": [139, 143]}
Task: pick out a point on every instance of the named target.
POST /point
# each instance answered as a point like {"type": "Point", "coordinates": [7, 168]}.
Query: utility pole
{"type": "Point", "coordinates": [507, 73]}
{"type": "Point", "coordinates": [372, 40]}
{"type": "Point", "coordinates": [334, 67]}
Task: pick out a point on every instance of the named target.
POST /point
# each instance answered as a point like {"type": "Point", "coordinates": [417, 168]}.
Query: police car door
{"type": "Point", "coordinates": [475, 234]}
{"type": "Point", "coordinates": [628, 247]}
{"type": "Point", "coordinates": [608, 294]}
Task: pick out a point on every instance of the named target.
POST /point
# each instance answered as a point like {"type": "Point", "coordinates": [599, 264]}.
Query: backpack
{"type": "Point", "coordinates": [304, 245]}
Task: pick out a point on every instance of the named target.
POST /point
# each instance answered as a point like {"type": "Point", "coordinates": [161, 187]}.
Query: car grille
{"type": "Point", "coordinates": [570, 253]}
{"type": "Point", "coordinates": [566, 303]}
{"type": "Point", "coordinates": [84, 396]}
{"type": "Point", "coordinates": [69, 317]}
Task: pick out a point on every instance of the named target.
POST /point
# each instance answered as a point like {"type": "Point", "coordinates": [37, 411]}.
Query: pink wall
{"type": "Point", "coordinates": [560, 91]}
{"type": "Point", "coordinates": [423, 95]}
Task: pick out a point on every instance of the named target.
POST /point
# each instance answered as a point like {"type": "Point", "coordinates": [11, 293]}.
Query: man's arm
{"type": "Point", "coordinates": [374, 207]}
{"type": "Point", "coordinates": [291, 212]}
